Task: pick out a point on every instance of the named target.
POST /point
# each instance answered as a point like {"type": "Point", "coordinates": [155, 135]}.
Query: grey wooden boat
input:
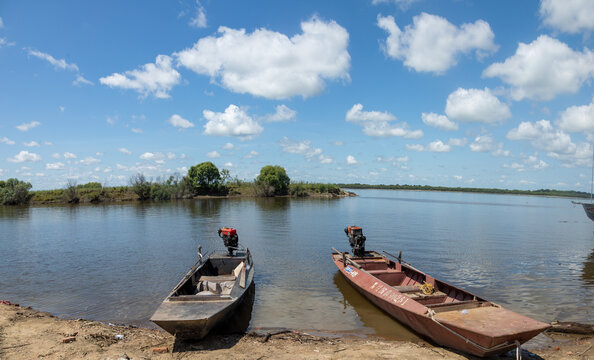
{"type": "Point", "coordinates": [207, 295]}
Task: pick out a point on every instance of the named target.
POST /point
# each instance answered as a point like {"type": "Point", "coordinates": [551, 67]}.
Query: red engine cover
{"type": "Point", "coordinates": [228, 231]}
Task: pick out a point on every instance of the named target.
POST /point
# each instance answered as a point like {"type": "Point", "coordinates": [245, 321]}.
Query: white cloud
{"type": "Point", "coordinates": [152, 156]}
{"type": "Point", "coordinates": [457, 142]}
{"type": "Point", "coordinates": [31, 144]}
{"type": "Point", "coordinates": [170, 155]}
{"type": "Point", "coordinates": [62, 108]}
{"type": "Point", "coordinates": [304, 148]}
{"type": "Point", "coordinates": [283, 113]}
{"type": "Point", "coordinates": [136, 130]}
{"type": "Point", "coordinates": [28, 126]}
{"type": "Point", "coordinates": [433, 44]}
{"type": "Point", "coordinates": [1, 23]}
{"type": "Point", "coordinates": [228, 146]}
{"type": "Point", "coordinates": [434, 146]}
{"type": "Point", "coordinates": [69, 155]}
{"type": "Point", "coordinates": [54, 166]}
{"type": "Point", "coordinates": [403, 4]}
{"type": "Point", "coordinates": [474, 105]}
{"type": "Point", "coordinates": [6, 140]}
{"type": "Point", "coordinates": [89, 160]}
{"type": "Point", "coordinates": [24, 156]}
{"type": "Point", "coordinates": [48, 143]}
{"type": "Point", "coordinates": [439, 121]}
{"type": "Point", "coordinates": [233, 122]}
{"type": "Point", "coordinates": [58, 63]}
{"type": "Point", "coordinates": [377, 123]}
{"type": "Point", "coordinates": [566, 70]}
{"type": "Point", "coordinates": [571, 16]}
{"type": "Point", "coordinates": [458, 177]}
{"type": "Point", "coordinates": [483, 143]}
{"type": "Point", "coordinates": [199, 20]}
{"type": "Point", "coordinates": [251, 155]}
{"type": "Point", "coordinates": [4, 42]}
{"type": "Point", "coordinates": [179, 122]}
{"type": "Point", "coordinates": [542, 135]}
{"type": "Point", "coordinates": [580, 156]}
{"type": "Point", "coordinates": [80, 80]}
{"type": "Point", "coordinates": [213, 154]}
{"type": "Point", "coordinates": [154, 78]}
{"type": "Point", "coordinates": [270, 64]}
{"type": "Point", "coordinates": [578, 119]}
{"type": "Point", "coordinates": [125, 151]}
{"type": "Point", "coordinates": [350, 159]}
{"type": "Point", "coordinates": [56, 156]}
{"type": "Point", "coordinates": [228, 164]}
{"type": "Point", "coordinates": [111, 120]}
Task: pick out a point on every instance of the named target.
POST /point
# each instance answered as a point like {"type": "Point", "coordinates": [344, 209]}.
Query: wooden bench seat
{"type": "Point", "coordinates": [218, 278]}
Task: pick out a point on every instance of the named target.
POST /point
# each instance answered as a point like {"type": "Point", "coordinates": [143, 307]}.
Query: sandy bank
{"type": "Point", "coordinates": [30, 334]}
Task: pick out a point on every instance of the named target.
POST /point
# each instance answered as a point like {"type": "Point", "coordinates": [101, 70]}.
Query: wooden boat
{"type": "Point", "coordinates": [207, 295]}
{"type": "Point", "coordinates": [447, 315]}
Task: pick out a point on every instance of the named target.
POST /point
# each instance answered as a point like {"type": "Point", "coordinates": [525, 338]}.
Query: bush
{"type": "Point", "coordinates": [298, 189]}
{"type": "Point", "coordinates": [273, 180]}
{"type": "Point", "coordinates": [71, 192]}
{"type": "Point", "coordinates": [205, 179]}
{"type": "Point", "coordinates": [14, 192]}
{"type": "Point", "coordinates": [141, 186]}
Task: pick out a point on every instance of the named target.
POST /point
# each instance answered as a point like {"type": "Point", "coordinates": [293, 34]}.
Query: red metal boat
{"type": "Point", "coordinates": [449, 316]}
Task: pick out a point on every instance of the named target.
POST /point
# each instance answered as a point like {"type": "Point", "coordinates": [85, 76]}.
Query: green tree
{"type": "Point", "coordinates": [205, 178]}
{"type": "Point", "coordinates": [141, 186]}
{"type": "Point", "coordinates": [14, 192]}
{"type": "Point", "coordinates": [273, 180]}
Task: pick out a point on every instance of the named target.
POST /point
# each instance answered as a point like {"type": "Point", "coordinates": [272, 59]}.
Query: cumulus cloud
{"type": "Point", "coordinates": [28, 126]}
{"type": "Point", "coordinates": [136, 130]}
{"type": "Point", "coordinates": [433, 44]}
{"type": "Point", "coordinates": [54, 166]}
{"type": "Point", "coordinates": [199, 20]}
{"type": "Point", "coordinates": [566, 70]}
{"type": "Point", "coordinates": [179, 122]}
{"type": "Point", "coordinates": [125, 151]}
{"type": "Point", "coordinates": [457, 142]}
{"type": "Point", "coordinates": [6, 140]}
{"type": "Point", "coordinates": [31, 144]}
{"type": "Point", "coordinates": [350, 159]}
{"type": "Point", "coordinates": [24, 156]}
{"type": "Point", "coordinates": [474, 105]}
{"type": "Point", "coordinates": [439, 121]}
{"type": "Point", "coordinates": [377, 124]}
{"type": "Point", "coordinates": [283, 113]}
{"type": "Point", "coordinates": [233, 122]}
{"type": "Point", "coordinates": [152, 156]}
{"type": "Point", "coordinates": [69, 155]}
{"type": "Point", "coordinates": [542, 135]}
{"type": "Point", "coordinates": [213, 154]}
{"type": "Point", "coordinates": [228, 146]}
{"type": "Point", "coordinates": [304, 148]}
{"type": "Point", "coordinates": [434, 146]}
{"type": "Point", "coordinates": [571, 16]}
{"type": "Point", "coordinates": [578, 119]}
{"type": "Point", "coordinates": [153, 78]}
{"type": "Point", "coordinates": [57, 63]}
{"type": "Point", "coordinates": [270, 64]}
{"type": "Point", "coordinates": [4, 42]}
{"type": "Point", "coordinates": [483, 143]}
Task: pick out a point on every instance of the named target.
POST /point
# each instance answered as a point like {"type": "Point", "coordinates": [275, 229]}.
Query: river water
{"type": "Point", "coordinates": [116, 262]}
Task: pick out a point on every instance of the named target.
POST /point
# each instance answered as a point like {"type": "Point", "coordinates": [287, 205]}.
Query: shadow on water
{"type": "Point", "coordinates": [273, 203]}
{"type": "Point", "coordinates": [206, 208]}
{"type": "Point", "coordinates": [588, 269]}
{"type": "Point", "coordinates": [228, 332]}
{"type": "Point", "coordinates": [371, 316]}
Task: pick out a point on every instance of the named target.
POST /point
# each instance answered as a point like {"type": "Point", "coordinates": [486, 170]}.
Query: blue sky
{"type": "Point", "coordinates": [446, 93]}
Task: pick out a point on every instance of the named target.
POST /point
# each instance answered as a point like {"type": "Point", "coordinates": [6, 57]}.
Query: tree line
{"type": "Point", "coordinates": [201, 179]}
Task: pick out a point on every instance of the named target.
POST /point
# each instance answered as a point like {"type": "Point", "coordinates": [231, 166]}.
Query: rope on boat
{"type": "Point", "coordinates": [518, 350]}
{"type": "Point", "coordinates": [431, 314]}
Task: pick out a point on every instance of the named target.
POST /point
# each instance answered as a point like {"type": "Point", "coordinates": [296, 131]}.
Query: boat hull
{"type": "Point", "coordinates": [589, 209]}
{"type": "Point", "coordinates": [490, 335]}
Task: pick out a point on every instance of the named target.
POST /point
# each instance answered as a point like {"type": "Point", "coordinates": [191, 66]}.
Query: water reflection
{"type": "Point", "coordinates": [205, 207]}
{"type": "Point", "coordinates": [370, 315]}
{"type": "Point", "coordinates": [588, 269]}
{"type": "Point", "coordinates": [273, 204]}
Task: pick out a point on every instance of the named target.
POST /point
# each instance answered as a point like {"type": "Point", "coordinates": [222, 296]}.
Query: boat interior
{"type": "Point", "coordinates": [212, 280]}
{"type": "Point", "coordinates": [409, 281]}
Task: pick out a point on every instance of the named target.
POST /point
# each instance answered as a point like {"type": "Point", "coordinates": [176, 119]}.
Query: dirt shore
{"type": "Point", "coordinates": [29, 334]}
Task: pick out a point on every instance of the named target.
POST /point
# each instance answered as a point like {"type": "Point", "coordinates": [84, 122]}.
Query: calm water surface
{"type": "Point", "coordinates": [117, 262]}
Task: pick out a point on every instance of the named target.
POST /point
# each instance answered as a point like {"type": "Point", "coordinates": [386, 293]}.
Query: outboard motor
{"type": "Point", "coordinates": [230, 238]}
{"type": "Point", "coordinates": [356, 239]}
